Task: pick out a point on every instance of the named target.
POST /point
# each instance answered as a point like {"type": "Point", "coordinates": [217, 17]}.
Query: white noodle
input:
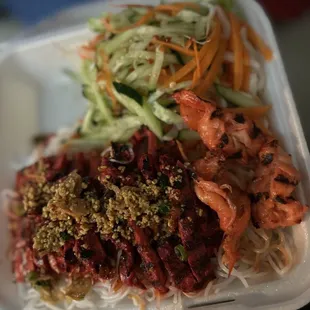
{"type": "Point", "coordinates": [229, 56]}
{"type": "Point", "coordinates": [260, 74]}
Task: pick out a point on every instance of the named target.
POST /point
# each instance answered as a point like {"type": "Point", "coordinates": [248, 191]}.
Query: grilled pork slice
{"type": "Point", "coordinates": [127, 267]}
{"type": "Point", "coordinates": [179, 271]}
{"type": "Point", "coordinates": [94, 257]}
{"type": "Point", "coordinates": [194, 246]}
{"type": "Point", "coordinates": [151, 263]}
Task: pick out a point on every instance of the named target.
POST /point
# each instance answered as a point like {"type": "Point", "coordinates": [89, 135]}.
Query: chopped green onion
{"type": "Point", "coordinates": [164, 209]}
{"type": "Point", "coordinates": [85, 253]}
{"type": "Point", "coordinates": [65, 236]}
{"type": "Point", "coordinates": [181, 252]}
{"type": "Point", "coordinates": [163, 181]}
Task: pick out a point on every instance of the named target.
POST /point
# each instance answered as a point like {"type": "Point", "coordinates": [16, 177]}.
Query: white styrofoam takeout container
{"type": "Point", "coordinates": [35, 97]}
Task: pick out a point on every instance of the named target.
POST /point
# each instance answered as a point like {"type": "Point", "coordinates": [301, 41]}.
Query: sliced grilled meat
{"type": "Point", "coordinates": [151, 263]}
{"type": "Point", "coordinates": [127, 264]}
{"type": "Point", "coordinates": [94, 258]}
{"type": "Point", "coordinates": [194, 245]}
{"type": "Point", "coordinates": [178, 270]}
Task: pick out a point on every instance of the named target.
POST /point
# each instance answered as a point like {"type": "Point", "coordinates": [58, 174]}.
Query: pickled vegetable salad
{"type": "Point", "coordinates": [142, 55]}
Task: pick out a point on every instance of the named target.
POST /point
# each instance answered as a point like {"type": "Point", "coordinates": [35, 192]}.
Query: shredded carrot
{"type": "Point", "coordinates": [181, 150]}
{"type": "Point", "coordinates": [93, 43]}
{"type": "Point", "coordinates": [198, 69]}
{"type": "Point", "coordinates": [107, 76]}
{"type": "Point", "coordinates": [174, 47]}
{"type": "Point", "coordinates": [195, 77]}
{"type": "Point", "coordinates": [164, 72]}
{"type": "Point", "coordinates": [253, 113]}
{"type": "Point", "coordinates": [86, 52]}
{"type": "Point", "coordinates": [117, 286]}
{"type": "Point", "coordinates": [258, 43]}
{"type": "Point", "coordinates": [207, 58]}
{"type": "Point", "coordinates": [246, 71]}
{"type": "Point", "coordinates": [237, 47]}
{"type": "Point", "coordinates": [214, 69]}
{"type": "Point", "coordinates": [192, 63]}
{"type": "Point", "coordinates": [138, 300]}
{"type": "Point", "coordinates": [188, 43]}
{"type": "Point", "coordinates": [143, 20]}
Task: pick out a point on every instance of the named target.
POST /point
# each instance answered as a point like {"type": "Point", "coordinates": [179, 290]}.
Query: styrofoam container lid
{"type": "Point", "coordinates": [35, 97]}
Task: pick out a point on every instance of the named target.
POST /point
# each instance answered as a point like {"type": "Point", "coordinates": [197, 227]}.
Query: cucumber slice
{"type": "Point", "coordinates": [96, 25]}
{"type": "Point", "coordinates": [144, 112]}
{"type": "Point", "coordinates": [151, 120]}
{"type": "Point", "coordinates": [187, 134]}
{"type": "Point", "coordinates": [128, 91]}
{"type": "Point", "coordinates": [238, 98]}
{"type": "Point", "coordinates": [166, 115]}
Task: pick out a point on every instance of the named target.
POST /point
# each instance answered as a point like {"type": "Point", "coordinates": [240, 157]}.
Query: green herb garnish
{"type": "Point", "coordinates": [65, 236]}
{"type": "Point", "coordinates": [85, 254]}
{"type": "Point", "coordinates": [180, 252]}
{"type": "Point", "coordinates": [163, 181]}
{"type": "Point", "coordinates": [164, 209]}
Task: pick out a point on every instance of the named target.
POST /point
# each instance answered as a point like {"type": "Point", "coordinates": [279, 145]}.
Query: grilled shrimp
{"type": "Point", "coordinates": [271, 214]}
{"type": "Point", "coordinates": [233, 209]}
{"type": "Point", "coordinates": [275, 180]}
{"type": "Point", "coordinates": [219, 130]}
{"type": "Point", "coordinates": [217, 199]}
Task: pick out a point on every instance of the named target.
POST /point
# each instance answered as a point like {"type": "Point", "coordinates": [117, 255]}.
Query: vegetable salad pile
{"type": "Point", "coordinates": [142, 55]}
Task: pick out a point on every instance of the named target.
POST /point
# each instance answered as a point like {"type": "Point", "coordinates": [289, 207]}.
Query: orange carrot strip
{"type": "Point", "coordinates": [237, 47]}
{"type": "Point", "coordinates": [143, 20]}
{"type": "Point", "coordinates": [246, 70]}
{"type": "Point", "coordinates": [189, 43]}
{"type": "Point", "coordinates": [251, 112]}
{"type": "Point", "coordinates": [198, 69]}
{"type": "Point", "coordinates": [214, 70]}
{"type": "Point", "coordinates": [210, 52]}
{"type": "Point", "coordinates": [174, 47]}
{"type": "Point", "coordinates": [195, 78]}
{"type": "Point", "coordinates": [259, 43]}
{"type": "Point", "coordinates": [85, 52]}
{"type": "Point", "coordinates": [93, 43]}
{"type": "Point", "coordinates": [106, 74]}
{"type": "Point", "coordinates": [192, 63]}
